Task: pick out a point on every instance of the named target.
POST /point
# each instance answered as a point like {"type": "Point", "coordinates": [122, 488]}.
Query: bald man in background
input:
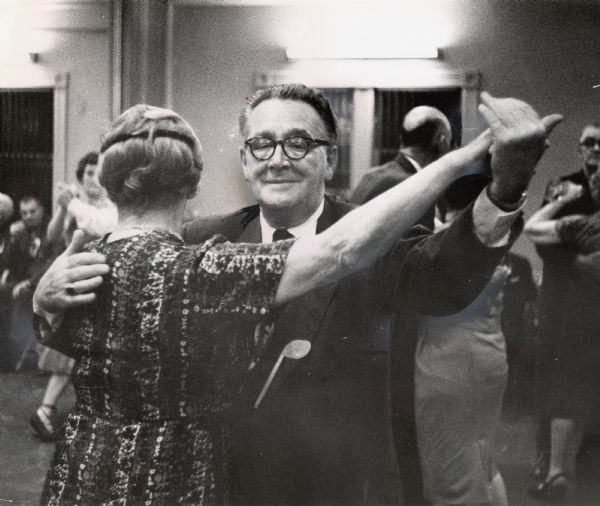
{"type": "Point", "coordinates": [425, 136]}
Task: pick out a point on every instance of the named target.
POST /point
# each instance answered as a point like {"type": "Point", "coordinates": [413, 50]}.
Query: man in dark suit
{"type": "Point", "coordinates": [321, 432]}
{"type": "Point", "coordinates": [26, 255]}
{"type": "Point", "coordinates": [426, 135]}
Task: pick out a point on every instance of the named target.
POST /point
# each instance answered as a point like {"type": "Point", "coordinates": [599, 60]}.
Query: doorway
{"type": "Point", "coordinates": [392, 105]}
{"type": "Point", "coordinates": [26, 144]}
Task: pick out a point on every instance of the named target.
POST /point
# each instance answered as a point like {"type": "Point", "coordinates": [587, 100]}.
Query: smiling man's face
{"type": "Point", "coordinates": [288, 191]}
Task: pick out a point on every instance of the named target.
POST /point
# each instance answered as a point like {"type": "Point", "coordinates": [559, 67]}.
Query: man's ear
{"type": "Point", "coordinates": [445, 142]}
{"type": "Point", "coordinates": [243, 160]}
{"type": "Point", "coordinates": [332, 160]}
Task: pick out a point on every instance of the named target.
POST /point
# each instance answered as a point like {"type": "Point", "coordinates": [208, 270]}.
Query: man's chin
{"type": "Point", "coordinates": [274, 203]}
{"type": "Point", "coordinates": [278, 197]}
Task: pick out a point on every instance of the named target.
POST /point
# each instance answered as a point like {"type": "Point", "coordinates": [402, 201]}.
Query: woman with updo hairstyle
{"type": "Point", "coordinates": [163, 349]}
{"type": "Point", "coordinates": [133, 172]}
{"type": "Point", "coordinates": [158, 354]}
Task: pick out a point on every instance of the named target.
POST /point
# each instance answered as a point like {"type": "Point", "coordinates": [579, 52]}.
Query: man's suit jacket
{"type": "Point", "coordinates": [383, 177]}
{"type": "Point", "coordinates": [27, 255]}
{"type": "Point", "coordinates": [322, 434]}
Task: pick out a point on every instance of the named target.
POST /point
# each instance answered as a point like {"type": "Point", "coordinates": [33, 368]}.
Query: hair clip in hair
{"type": "Point", "coordinates": [144, 135]}
{"type": "Point", "coordinates": [157, 113]}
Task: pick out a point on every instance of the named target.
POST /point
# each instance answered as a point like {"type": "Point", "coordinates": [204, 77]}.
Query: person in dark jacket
{"type": "Point", "coordinates": [426, 136]}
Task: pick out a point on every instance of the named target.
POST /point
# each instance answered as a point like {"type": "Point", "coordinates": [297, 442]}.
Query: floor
{"type": "Point", "coordinates": [25, 458]}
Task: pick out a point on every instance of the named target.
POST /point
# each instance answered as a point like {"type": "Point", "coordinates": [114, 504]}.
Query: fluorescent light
{"type": "Point", "coordinates": [357, 53]}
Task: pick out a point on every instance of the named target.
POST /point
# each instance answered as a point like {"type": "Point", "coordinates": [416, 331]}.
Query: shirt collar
{"type": "Point", "coordinates": [306, 229]}
{"type": "Point", "coordinates": [413, 161]}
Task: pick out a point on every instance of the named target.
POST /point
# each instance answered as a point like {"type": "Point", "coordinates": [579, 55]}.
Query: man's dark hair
{"type": "Point", "coordinates": [30, 198]}
{"type": "Point", "coordinates": [90, 158]}
{"type": "Point", "coordinates": [422, 136]}
{"type": "Point", "coordinates": [295, 91]}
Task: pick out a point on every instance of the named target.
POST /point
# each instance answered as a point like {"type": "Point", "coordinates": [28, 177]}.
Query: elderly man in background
{"type": "Point", "coordinates": [315, 429]}
{"type": "Point", "coordinates": [425, 136]}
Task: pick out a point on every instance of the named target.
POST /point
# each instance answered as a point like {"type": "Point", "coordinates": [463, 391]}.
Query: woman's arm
{"type": "Point", "coordinates": [55, 230]}
{"type": "Point", "coordinates": [542, 228]}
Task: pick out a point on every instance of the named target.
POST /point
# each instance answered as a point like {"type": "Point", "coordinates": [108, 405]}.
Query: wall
{"type": "Point", "coordinates": [545, 52]}
{"type": "Point", "coordinates": [71, 37]}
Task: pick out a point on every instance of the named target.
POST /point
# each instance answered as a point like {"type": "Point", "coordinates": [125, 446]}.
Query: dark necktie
{"type": "Point", "coordinates": [282, 233]}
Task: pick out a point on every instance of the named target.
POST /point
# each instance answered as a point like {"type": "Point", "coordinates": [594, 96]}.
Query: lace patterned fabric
{"type": "Point", "coordinates": [159, 356]}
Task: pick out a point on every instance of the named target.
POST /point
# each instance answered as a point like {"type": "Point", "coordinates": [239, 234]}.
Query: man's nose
{"type": "Point", "coordinates": [279, 158]}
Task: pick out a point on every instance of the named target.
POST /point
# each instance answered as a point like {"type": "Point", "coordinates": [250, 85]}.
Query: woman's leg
{"type": "Point", "coordinates": [499, 495]}
{"type": "Point", "coordinates": [54, 389]}
{"type": "Point", "coordinates": [41, 420]}
{"type": "Point", "coordinates": [562, 444]}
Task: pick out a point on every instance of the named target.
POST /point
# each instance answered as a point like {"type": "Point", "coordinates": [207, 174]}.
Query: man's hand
{"type": "Point", "coordinates": [71, 279]}
{"type": "Point", "coordinates": [519, 142]}
{"type": "Point", "coordinates": [568, 191]}
{"type": "Point", "coordinates": [17, 227]}
{"type": "Point", "coordinates": [22, 290]}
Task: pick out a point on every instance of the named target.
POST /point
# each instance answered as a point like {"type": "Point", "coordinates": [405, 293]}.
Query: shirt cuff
{"type": "Point", "coordinates": [492, 224]}
{"type": "Point", "coordinates": [54, 320]}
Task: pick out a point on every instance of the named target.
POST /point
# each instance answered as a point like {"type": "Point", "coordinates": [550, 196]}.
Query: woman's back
{"type": "Point", "coordinates": [158, 356]}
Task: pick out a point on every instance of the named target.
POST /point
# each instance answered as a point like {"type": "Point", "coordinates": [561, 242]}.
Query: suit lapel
{"type": "Point", "coordinates": [406, 164]}
{"type": "Point", "coordinates": [252, 232]}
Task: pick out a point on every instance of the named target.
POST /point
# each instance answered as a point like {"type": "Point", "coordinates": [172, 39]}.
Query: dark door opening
{"type": "Point", "coordinates": [26, 144]}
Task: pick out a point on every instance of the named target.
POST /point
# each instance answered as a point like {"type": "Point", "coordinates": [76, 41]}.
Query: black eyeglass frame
{"type": "Point", "coordinates": [590, 142]}
{"type": "Point", "coordinates": [310, 145]}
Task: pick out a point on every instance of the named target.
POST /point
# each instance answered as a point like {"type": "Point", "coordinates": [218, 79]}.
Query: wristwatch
{"type": "Point", "coordinates": [507, 206]}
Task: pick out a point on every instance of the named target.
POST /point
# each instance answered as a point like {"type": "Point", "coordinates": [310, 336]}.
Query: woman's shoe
{"type": "Point", "coordinates": [552, 489]}
{"type": "Point", "coordinates": [42, 424]}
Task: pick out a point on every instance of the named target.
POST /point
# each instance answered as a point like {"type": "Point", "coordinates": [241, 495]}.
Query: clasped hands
{"type": "Point", "coordinates": [518, 142]}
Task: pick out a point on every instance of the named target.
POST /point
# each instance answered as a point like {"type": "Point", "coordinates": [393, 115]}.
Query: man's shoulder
{"type": "Point", "coordinates": [582, 205]}
{"type": "Point", "coordinates": [575, 177]}
{"type": "Point", "coordinates": [338, 205]}
{"type": "Point", "coordinates": [399, 166]}
{"type": "Point", "coordinates": [19, 238]}
{"type": "Point", "coordinates": [379, 179]}
{"type": "Point", "coordinates": [231, 225]}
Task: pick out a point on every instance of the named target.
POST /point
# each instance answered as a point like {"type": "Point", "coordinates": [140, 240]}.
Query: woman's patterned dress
{"type": "Point", "coordinates": [159, 357]}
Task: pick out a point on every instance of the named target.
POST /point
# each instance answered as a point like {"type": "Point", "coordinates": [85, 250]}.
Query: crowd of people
{"type": "Point", "coordinates": [307, 350]}
{"type": "Point", "coordinates": [29, 244]}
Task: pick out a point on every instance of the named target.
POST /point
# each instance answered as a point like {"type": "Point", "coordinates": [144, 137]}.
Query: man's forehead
{"type": "Point", "coordinates": [280, 117]}
{"type": "Point", "coordinates": [30, 205]}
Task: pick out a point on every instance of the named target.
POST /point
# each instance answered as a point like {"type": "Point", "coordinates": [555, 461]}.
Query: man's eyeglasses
{"type": "Point", "coordinates": [295, 148]}
{"type": "Point", "coordinates": [590, 142]}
